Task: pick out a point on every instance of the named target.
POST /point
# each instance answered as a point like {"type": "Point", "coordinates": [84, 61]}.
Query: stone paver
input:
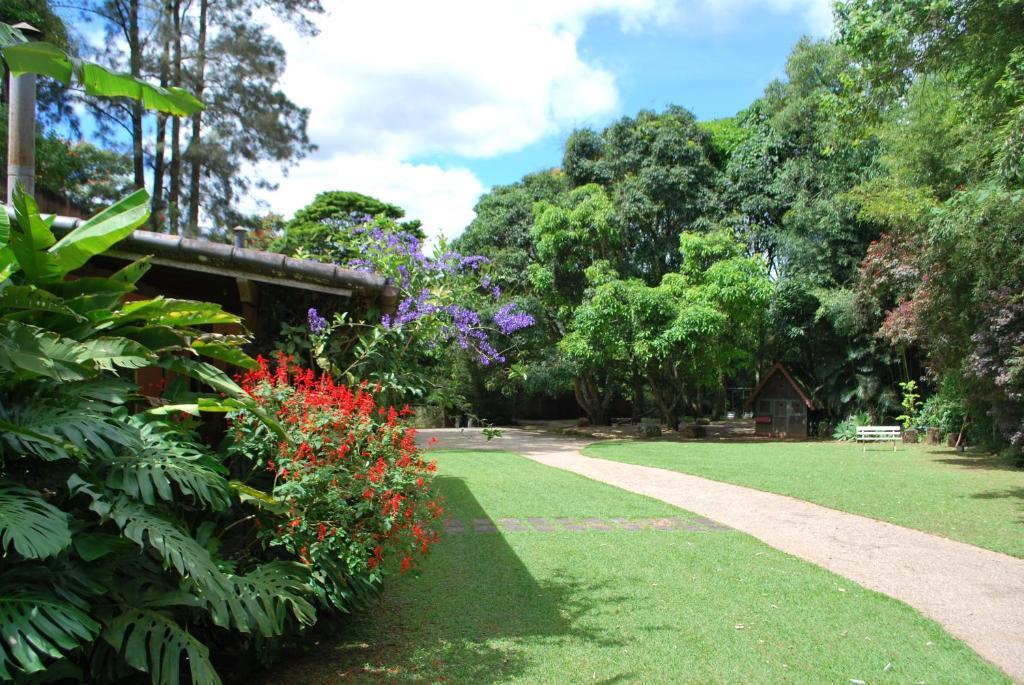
{"type": "Point", "coordinates": [976, 594]}
{"type": "Point", "coordinates": [698, 524]}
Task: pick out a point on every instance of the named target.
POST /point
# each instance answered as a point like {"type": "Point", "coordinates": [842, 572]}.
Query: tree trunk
{"type": "Point", "coordinates": [638, 396]}
{"type": "Point", "coordinates": [158, 219]}
{"type": "Point", "coordinates": [174, 171]}
{"type": "Point", "coordinates": [195, 156]}
{"type": "Point", "coordinates": [135, 66]}
{"type": "Point", "coordinates": [590, 399]}
{"type": "Point", "coordinates": [667, 399]}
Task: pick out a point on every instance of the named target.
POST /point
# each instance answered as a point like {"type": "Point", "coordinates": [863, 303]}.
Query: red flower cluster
{"type": "Point", "coordinates": [355, 483]}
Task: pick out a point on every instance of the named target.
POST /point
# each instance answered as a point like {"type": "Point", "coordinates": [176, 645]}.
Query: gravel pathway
{"type": "Point", "coordinates": [976, 594]}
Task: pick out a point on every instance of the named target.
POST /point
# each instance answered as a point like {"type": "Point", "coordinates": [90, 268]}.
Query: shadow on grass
{"type": "Point", "coordinates": [471, 617]}
{"type": "Point", "coordinates": [1009, 493]}
{"type": "Point", "coordinates": [978, 460]}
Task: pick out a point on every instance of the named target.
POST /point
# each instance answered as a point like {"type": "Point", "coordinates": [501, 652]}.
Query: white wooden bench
{"type": "Point", "coordinates": [868, 434]}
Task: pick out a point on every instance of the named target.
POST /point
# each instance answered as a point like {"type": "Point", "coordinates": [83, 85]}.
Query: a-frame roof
{"type": "Point", "coordinates": [776, 369]}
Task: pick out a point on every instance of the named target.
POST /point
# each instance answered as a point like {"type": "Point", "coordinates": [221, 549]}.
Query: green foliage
{"type": "Point", "coordinates": [109, 516]}
{"type": "Point", "coordinates": [46, 59]}
{"type": "Point", "coordinates": [847, 428]}
{"type": "Point", "coordinates": [152, 641]}
{"type": "Point", "coordinates": [911, 405]}
{"type": "Point", "coordinates": [659, 171]}
{"type": "Point", "coordinates": [322, 229]}
{"type": "Point", "coordinates": [681, 336]}
{"type": "Point", "coordinates": [33, 528]}
{"type": "Point", "coordinates": [943, 410]}
{"type": "Point", "coordinates": [726, 135]}
{"type": "Point", "coordinates": [502, 228]}
{"type": "Point", "coordinates": [38, 628]}
{"type": "Point", "coordinates": [570, 237]}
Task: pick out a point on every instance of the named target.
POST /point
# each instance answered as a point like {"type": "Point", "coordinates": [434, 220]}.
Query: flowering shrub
{"type": "Point", "coordinates": [350, 488]}
{"type": "Point", "coordinates": [444, 297]}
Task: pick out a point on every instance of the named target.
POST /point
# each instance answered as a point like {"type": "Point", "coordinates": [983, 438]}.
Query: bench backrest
{"type": "Point", "coordinates": [878, 432]}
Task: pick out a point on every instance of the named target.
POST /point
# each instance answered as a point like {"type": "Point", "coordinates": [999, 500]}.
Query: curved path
{"type": "Point", "coordinates": [976, 594]}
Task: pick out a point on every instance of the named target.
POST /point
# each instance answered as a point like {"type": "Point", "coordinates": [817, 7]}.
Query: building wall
{"type": "Point", "coordinates": [781, 401]}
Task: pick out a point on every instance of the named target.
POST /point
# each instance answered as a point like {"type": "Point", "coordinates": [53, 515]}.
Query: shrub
{"type": "Point", "coordinates": [110, 517]}
{"type": "Point", "coordinates": [847, 429]}
{"type": "Point", "coordinates": [944, 411]}
{"type": "Point", "coordinates": [911, 405]}
{"type": "Point", "coordinates": [351, 485]}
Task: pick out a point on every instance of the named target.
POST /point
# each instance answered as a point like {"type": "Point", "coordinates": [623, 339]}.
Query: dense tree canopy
{"type": "Point", "coordinates": [866, 207]}
{"type": "Point", "coordinates": [878, 186]}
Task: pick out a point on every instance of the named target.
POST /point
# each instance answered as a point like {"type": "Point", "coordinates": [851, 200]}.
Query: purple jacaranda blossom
{"type": "Point", "coordinates": [360, 265]}
{"type": "Point", "coordinates": [413, 308]}
{"type": "Point", "coordinates": [317, 323]}
{"type": "Point", "coordinates": [473, 262]}
{"type": "Point", "coordinates": [509, 320]}
{"type": "Point", "coordinates": [430, 288]}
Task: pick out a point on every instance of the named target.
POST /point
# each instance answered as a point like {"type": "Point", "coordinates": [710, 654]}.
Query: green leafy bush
{"type": "Point", "coordinates": [847, 429]}
{"type": "Point", "coordinates": [911, 405]}
{"type": "Point", "coordinates": [111, 518]}
{"type": "Point", "coordinates": [943, 410]}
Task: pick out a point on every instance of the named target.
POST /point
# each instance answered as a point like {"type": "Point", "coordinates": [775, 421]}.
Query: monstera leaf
{"type": "Point", "coordinates": [152, 641]}
{"type": "Point", "coordinates": [166, 466]}
{"type": "Point", "coordinates": [28, 523]}
{"type": "Point", "coordinates": [38, 627]}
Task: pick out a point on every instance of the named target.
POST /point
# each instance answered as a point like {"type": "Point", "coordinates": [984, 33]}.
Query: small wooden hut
{"type": "Point", "coordinates": [780, 405]}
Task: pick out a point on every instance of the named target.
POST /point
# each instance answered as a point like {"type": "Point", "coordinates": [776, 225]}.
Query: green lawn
{"type": "Point", "coordinates": [617, 606]}
{"type": "Point", "coordinates": [972, 497]}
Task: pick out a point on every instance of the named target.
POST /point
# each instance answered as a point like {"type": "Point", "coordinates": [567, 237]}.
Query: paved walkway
{"type": "Point", "coordinates": [976, 594]}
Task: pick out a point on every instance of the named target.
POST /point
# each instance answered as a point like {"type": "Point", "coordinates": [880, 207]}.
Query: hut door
{"type": "Point", "coordinates": [796, 424]}
{"type": "Point", "coordinates": [780, 418]}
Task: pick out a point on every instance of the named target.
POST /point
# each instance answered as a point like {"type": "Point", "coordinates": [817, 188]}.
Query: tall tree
{"type": "Point", "coordinates": [659, 170]}
{"type": "Point", "coordinates": [947, 275]}
{"type": "Point", "coordinates": [223, 53]}
{"type": "Point", "coordinates": [194, 151]}
{"type": "Point", "coordinates": [159, 156]}
{"type": "Point", "coordinates": [174, 169]}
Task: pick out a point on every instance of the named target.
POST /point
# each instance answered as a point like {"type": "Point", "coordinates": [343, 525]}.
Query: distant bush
{"type": "Point", "coordinates": [942, 411]}
{"type": "Point", "coordinates": [847, 429]}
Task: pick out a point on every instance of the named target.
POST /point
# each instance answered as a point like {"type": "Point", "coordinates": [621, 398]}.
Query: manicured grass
{"type": "Point", "coordinates": [972, 497]}
{"type": "Point", "coordinates": [617, 606]}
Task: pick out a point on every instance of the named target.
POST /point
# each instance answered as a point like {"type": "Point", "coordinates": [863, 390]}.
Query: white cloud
{"type": "Point", "coordinates": [453, 76]}
{"type": "Point", "coordinates": [391, 81]}
{"type": "Point", "coordinates": [442, 198]}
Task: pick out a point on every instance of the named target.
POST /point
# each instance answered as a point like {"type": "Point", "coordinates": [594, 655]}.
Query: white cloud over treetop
{"type": "Point", "coordinates": [442, 198]}
{"type": "Point", "coordinates": [391, 81]}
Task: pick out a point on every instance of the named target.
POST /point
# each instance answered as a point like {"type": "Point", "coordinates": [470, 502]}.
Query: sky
{"type": "Point", "coordinates": [428, 104]}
